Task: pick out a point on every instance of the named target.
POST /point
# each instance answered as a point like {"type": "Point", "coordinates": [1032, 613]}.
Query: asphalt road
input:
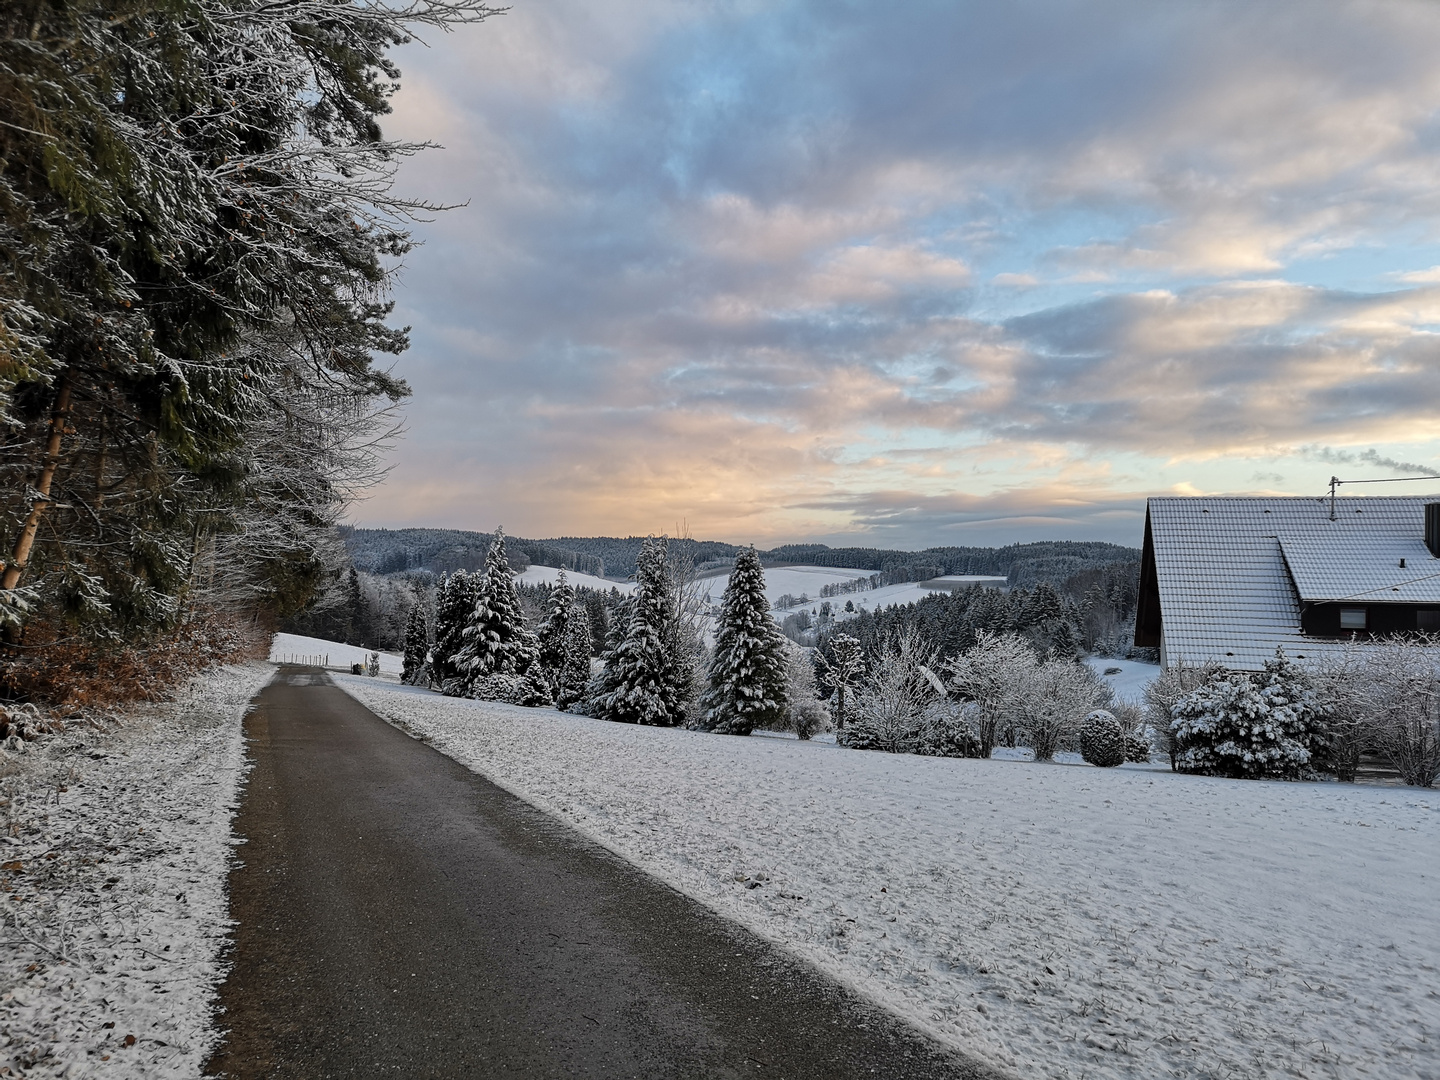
{"type": "Point", "coordinates": [400, 916]}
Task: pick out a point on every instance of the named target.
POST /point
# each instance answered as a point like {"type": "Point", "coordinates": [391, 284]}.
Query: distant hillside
{"type": "Point", "coordinates": [390, 551]}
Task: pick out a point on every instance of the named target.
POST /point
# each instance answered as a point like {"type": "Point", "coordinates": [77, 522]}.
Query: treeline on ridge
{"type": "Point", "coordinates": [386, 551]}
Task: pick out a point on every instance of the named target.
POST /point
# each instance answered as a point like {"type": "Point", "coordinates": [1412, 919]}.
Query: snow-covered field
{"type": "Point", "coordinates": [1130, 681]}
{"type": "Point", "coordinates": [1060, 921]}
{"type": "Point", "coordinates": [116, 852]}
{"type": "Point", "coordinates": [781, 581]}
{"type": "Point", "coordinates": [294, 648]}
{"type": "Point", "coordinates": [548, 575]}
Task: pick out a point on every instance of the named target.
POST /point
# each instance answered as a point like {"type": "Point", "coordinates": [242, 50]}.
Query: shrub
{"type": "Point", "coordinates": [948, 730]}
{"type": "Point", "coordinates": [1400, 702]}
{"type": "Point", "coordinates": [1137, 735]}
{"type": "Point", "coordinates": [1234, 726]}
{"type": "Point", "coordinates": [889, 710]}
{"type": "Point", "coordinates": [1170, 686]}
{"type": "Point", "coordinates": [1102, 739]}
{"type": "Point", "coordinates": [1049, 703]}
{"type": "Point", "coordinates": [530, 689]}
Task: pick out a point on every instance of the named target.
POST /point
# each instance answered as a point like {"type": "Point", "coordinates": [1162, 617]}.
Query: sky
{"type": "Point", "coordinates": [914, 274]}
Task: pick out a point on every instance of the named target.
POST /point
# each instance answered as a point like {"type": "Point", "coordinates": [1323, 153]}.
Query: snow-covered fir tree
{"type": "Point", "coordinates": [747, 678]}
{"type": "Point", "coordinates": [501, 656]}
{"type": "Point", "coordinates": [642, 682]}
{"type": "Point", "coordinates": [454, 605]}
{"type": "Point", "coordinates": [417, 645]}
{"type": "Point", "coordinates": [552, 634]}
{"type": "Point", "coordinates": [573, 674]}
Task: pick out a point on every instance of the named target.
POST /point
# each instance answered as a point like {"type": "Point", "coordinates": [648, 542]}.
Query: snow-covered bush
{"type": "Point", "coordinates": [1049, 703]}
{"type": "Point", "coordinates": [808, 715]}
{"type": "Point", "coordinates": [948, 730]}
{"type": "Point", "coordinates": [841, 672]}
{"type": "Point", "coordinates": [1102, 739]}
{"type": "Point", "coordinates": [1400, 706]}
{"type": "Point", "coordinates": [528, 689]}
{"type": "Point", "coordinates": [889, 711]}
{"type": "Point", "coordinates": [1137, 734]}
{"type": "Point", "coordinates": [989, 675]}
{"type": "Point", "coordinates": [1235, 726]}
{"type": "Point", "coordinates": [1164, 691]}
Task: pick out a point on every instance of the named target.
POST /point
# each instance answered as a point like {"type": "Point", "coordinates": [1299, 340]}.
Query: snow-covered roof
{"type": "Point", "coordinates": [1362, 565]}
{"type": "Point", "coordinates": [1225, 588]}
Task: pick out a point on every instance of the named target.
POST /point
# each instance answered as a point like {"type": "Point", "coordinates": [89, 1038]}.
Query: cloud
{"type": "Point", "coordinates": [792, 270]}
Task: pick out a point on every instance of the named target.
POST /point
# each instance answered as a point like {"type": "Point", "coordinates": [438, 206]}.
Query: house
{"type": "Point", "coordinates": [1230, 579]}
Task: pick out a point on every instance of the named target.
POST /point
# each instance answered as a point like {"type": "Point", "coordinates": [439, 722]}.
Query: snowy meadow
{"type": "Point", "coordinates": [117, 846]}
{"type": "Point", "coordinates": [1056, 920]}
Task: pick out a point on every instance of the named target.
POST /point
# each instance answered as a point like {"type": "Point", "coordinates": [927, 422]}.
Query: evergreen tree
{"type": "Point", "coordinates": [354, 610]}
{"type": "Point", "coordinates": [573, 675]}
{"type": "Point", "coordinates": [501, 656]}
{"type": "Point", "coordinates": [642, 682]}
{"type": "Point", "coordinates": [417, 644]}
{"type": "Point", "coordinates": [748, 671]}
{"type": "Point", "coordinates": [453, 608]}
{"type": "Point", "coordinates": [552, 634]}
{"type": "Point", "coordinates": [599, 617]}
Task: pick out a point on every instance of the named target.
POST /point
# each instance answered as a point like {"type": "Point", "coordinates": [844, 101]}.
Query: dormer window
{"type": "Point", "coordinates": [1352, 618]}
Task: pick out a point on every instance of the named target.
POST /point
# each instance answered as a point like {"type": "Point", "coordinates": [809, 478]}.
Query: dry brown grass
{"type": "Point", "coordinates": [60, 672]}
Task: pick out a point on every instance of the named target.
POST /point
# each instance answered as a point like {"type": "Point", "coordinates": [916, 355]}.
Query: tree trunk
{"type": "Point", "coordinates": [20, 555]}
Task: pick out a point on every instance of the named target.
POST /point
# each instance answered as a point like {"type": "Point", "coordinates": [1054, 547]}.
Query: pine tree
{"type": "Point", "coordinates": [501, 656]}
{"type": "Point", "coordinates": [417, 644]}
{"type": "Point", "coordinates": [747, 673]}
{"type": "Point", "coordinates": [453, 608]}
{"type": "Point", "coordinates": [573, 675]}
{"type": "Point", "coordinates": [552, 634]}
{"type": "Point", "coordinates": [642, 682]}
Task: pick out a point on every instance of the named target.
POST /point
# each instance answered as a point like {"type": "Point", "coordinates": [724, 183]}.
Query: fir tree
{"type": "Point", "coordinates": [552, 634]}
{"type": "Point", "coordinates": [573, 675]}
{"type": "Point", "coordinates": [453, 607]}
{"type": "Point", "coordinates": [497, 641]}
{"type": "Point", "coordinates": [417, 644]}
{"type": "Point", "coordinates": [748, 671]}
{"type": "Point", "coordinates": [642, 682]}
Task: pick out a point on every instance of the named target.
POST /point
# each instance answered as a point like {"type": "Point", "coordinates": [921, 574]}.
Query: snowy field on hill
{"type": "Point", "coordinates": [1130, 681]}
{"type": "Point", "coordinates": [297, 649]}
{"type": "Point", "coordinates": [548, 575]}
{"type": "Point", "coordinates": [1059, 921]}
{"type": "Point", "coordinates": [116, 855]}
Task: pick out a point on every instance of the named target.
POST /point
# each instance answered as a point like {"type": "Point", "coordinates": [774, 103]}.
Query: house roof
{"type": "Point", "coordinates": [1351, 564]}
{"type": "Point", "coordinates": [1226, 589]}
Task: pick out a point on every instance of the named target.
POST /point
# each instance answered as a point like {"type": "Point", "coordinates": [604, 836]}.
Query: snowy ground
{"type": "Point", "coordinates": [1061, 921]}
{"type": "Point", "coordinates": [1130, 681]}
{"type": "Point", "coordinates": [295, 649]}
{"type": "Point", "coordinates": [116, 851]}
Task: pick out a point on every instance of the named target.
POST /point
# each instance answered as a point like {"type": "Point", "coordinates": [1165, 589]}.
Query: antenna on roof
{"type": "Point", "coordinates": [1335, 482]}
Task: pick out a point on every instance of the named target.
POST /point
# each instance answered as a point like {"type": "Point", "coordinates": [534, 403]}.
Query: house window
{"type": "Point", "coordinates": [1428, 619]}
{"type": "Point", "coordinates": [1352, 618]}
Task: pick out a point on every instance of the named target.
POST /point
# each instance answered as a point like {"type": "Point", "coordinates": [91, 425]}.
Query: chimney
{"type": "Point", "coordinates": [1432, 528]}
